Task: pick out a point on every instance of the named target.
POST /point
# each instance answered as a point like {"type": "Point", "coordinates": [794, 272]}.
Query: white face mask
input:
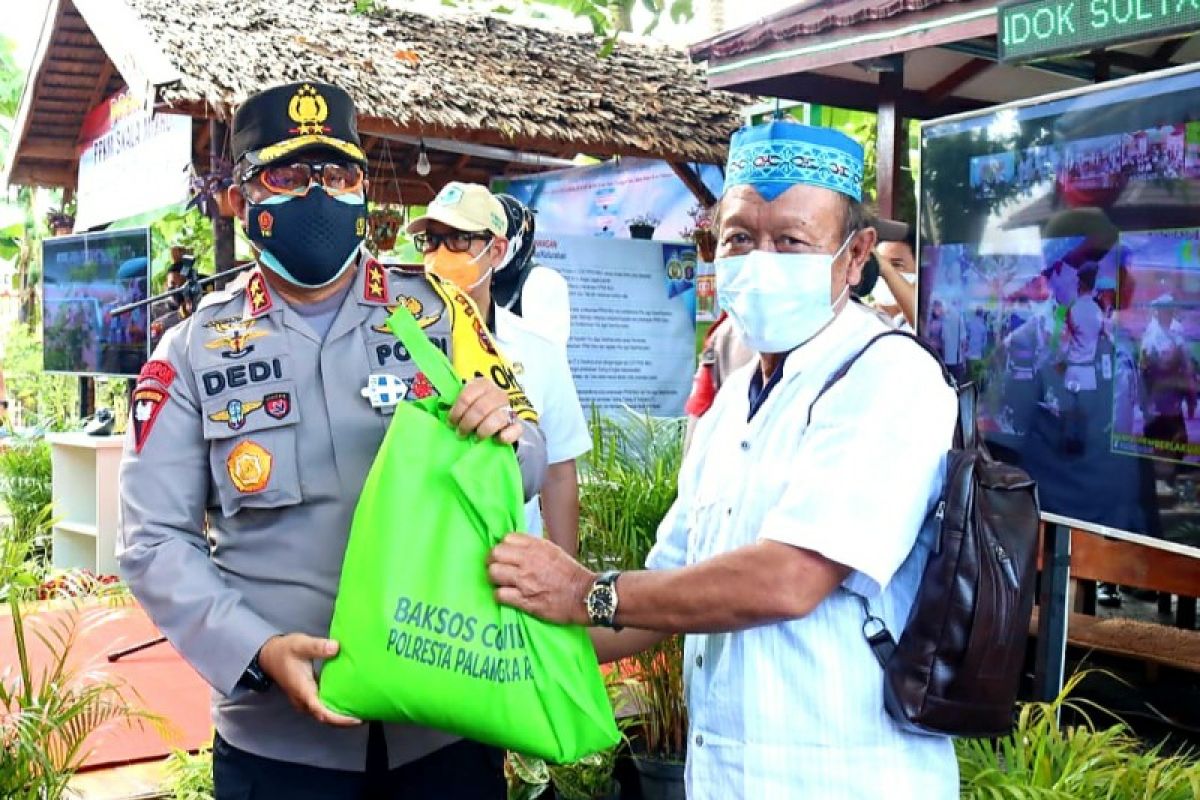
{"type": "Point", "coordinates": [778, 300]}
{"type": "Point", "coordinates": [882, 295]}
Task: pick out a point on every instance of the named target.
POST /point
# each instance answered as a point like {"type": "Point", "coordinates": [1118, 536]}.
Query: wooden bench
{"type": "Point", "coordinates": [1128, 563]}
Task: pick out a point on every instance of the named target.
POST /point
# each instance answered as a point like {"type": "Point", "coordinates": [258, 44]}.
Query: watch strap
{"type": "Point", "coordinates": [254, 678]}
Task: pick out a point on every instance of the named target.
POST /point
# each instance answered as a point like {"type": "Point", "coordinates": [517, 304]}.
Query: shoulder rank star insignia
{"type": "Point", "coordinates": [375, 283]}
{"type": "Point", "coordinates": [257, 295]}
{"type": "Point", "coordinates": [235, 413]}
{"type": "Point", "coordinates": [308, 110]}
{"type": "Point", "coordinates": [237, 338]}
{"type": "Point", "coordinates": [415, 307]}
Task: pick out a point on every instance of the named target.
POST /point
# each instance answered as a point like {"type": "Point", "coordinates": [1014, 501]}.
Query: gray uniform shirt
{"type": "Point", "coordinates": [248, 420]}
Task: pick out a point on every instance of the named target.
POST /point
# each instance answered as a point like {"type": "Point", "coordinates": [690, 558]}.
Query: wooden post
{"type": "Point", "coordinates": [222, 226]}
{"type": "Point", "coordinates": [1051, 652]}
{"type": "Point", "coordinates": [889, 138]}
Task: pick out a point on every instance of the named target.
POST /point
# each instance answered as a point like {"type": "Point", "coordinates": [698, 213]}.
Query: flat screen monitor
{"type": "Point", "coordinates": [84, 278]}
{"type": "Point", "coordinates": [1060, 270]}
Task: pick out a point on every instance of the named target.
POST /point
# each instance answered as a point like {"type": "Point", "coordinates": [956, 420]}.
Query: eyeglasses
{"type": "Point", "coordinates": [295, 180]}
{"type": "Point", "coordinates": [455, 241]}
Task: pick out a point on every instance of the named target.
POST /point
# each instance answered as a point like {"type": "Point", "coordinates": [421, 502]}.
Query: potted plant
{"type": "Point", "coordinates": [589, 778]}
{"type": "Point", "coordinates": [60, 221]}
{"type": "Point", "coordinates": [701, 232]}
{"type": "Point", "coordinates": [385, 224]}
{"type": "Point", "coordinates": [209, 190]}
{"type": "Point", "coordinates": [642, 226]}
{"type": "Point", "coordinates": [527, 778]}
{"type": "Point", "coordinates": [656, 689]}
{"type": "Point", "coordinates": [628, 482]}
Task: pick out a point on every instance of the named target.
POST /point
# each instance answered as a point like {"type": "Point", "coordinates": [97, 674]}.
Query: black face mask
{"type": "Point", "coordinates": [308, 240]}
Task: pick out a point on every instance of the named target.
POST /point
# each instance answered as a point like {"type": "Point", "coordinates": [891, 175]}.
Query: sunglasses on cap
{"type": "Point", "coordinates": [455, 241]}
{"type": "Point", "coordinates": [295, 180]}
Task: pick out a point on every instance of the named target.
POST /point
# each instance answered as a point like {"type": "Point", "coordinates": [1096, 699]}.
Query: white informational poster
{"type": "Point", "coordinates": [131, 161]}
{"type": "Point", "coordinates": [610, 200]}
{"type": "Point", "coordinates": [633, 310]}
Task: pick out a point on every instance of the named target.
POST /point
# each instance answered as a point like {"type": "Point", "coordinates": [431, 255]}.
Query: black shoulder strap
{"type": "Point", "coordinates": [964, 435]}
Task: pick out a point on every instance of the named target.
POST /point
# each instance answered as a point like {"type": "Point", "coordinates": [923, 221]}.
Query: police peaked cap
{"type": "Point", "coordinates": [296, 118]}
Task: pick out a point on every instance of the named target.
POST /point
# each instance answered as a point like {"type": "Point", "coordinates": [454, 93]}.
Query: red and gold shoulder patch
{"type": "Point", "coordinates": [157, 371]}
{"type": "Point", "coordinates": [258, 295]}
{"type": "Point", "coordinates": [147, 402]}
{"type": "Point", "coordinates": [375, 288]}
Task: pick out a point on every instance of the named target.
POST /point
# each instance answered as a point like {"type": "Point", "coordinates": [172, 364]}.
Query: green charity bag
{"type": "Point", "coordinates": [423, 640]}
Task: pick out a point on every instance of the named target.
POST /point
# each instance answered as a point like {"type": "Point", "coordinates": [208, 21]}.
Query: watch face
{"type": "Point", "coordinates": [600, 603]}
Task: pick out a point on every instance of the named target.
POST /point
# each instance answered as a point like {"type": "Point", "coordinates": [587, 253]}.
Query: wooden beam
{"type": "Point", "coordinates": [52, 149]}
{"type": "Point", "coordinates": [889, 138]}
{"type": "Point", "coordinates": [956, 79]}
{"type": "Point", "coordinates": [101, 86]}
{"type": "Point", "coordinates": [1130, 61]}
{"type": "Point", "coordinates": [223, 244]}
{"type": "Point", "coordinates": [461, 163]}
{"type": "Point", "coordinates": [25, 174]}
{"type": "Point", "coordinates": [819, 87]}
{"type": "Point", "coordinates": [60, 51]}
{"type": "Point", "coordinates": [1167, 50]}
{"type": "Point", "coordinates": [692, 181]}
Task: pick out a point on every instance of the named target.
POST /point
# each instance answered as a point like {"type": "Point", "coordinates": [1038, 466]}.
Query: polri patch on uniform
{"type": "Point", "coordinates": [277, 404]}
{"type": "Point", "coordinates": [147, 402]}
{"type": "Point", "coordinates": [249, 466]}
{"type": "Point", "coordinates": [258, 295]}
{"type": "Point", "coordinates": [375, 288]}
{"type": "Point", "coordinates": [419, 387]}
{"type": "Point", "coordinates": [159, 372]}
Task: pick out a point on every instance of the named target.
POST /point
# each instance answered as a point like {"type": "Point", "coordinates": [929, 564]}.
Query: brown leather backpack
{"type": "Point", "coordinates": [956, 668]}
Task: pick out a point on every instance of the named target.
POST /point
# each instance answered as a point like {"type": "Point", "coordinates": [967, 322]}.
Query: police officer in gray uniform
{"type": "Point", "coordinates": [253, 428]}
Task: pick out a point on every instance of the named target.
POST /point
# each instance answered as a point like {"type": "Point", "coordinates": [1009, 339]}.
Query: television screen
{"type": "Point", "coordinates": [84, 278]}
{"type": "Point", "coordinates": [1060, 271]}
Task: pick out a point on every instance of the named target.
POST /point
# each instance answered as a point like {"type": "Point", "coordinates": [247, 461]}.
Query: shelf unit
{"type": "Point", "coordinates": [86, 490]}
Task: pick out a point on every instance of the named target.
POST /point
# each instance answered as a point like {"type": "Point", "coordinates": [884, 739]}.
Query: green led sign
{"type": "Point", "coordinates": [1031, 29]}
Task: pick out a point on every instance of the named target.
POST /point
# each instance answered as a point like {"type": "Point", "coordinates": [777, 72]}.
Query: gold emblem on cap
{"type": "Point", "coordinates": [308, 110]}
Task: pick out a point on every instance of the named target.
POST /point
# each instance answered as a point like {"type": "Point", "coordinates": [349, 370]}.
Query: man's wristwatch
{"type": "Point", "coordinates": [254, 678]}
{"type": "Point", "coordinates": [602, 600]}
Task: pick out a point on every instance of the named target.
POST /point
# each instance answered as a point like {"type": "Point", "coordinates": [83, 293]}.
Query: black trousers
{"type": "Point", "coordinates": [465, 770]}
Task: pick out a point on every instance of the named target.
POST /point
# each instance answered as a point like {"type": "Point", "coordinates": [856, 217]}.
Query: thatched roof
{"type": "Point", "coordinates": [445, 75]}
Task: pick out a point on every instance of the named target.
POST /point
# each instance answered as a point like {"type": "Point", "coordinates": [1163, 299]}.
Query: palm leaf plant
{"type": "Point", "coordinates": [628, 484]}
{"type": "Point", "coordinates": [49, 711]}
{"type": "Point", "coordinates": [1043, 759]}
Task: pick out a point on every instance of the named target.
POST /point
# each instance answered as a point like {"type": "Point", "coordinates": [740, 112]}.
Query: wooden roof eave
{"type": "Point", "coordinates": [25, 107]}
{"type": "Point", "coordinates": [951, 22]}
{"type": "Point", "coordinates": [128, 43]}
{"type": "Point", "coordinates": [125, 41]}
{"type": "Point", "coordinates": [374, 126]}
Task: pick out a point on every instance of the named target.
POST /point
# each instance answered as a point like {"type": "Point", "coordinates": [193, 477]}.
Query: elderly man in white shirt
{"type": "Point", "coordinates": [762, 557]}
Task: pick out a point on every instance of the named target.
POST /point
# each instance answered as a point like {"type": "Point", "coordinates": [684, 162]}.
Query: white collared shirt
{"type": "Point", "coordinates": [795, 709]}
{"type": "Point", "coordinates": [543, 371]}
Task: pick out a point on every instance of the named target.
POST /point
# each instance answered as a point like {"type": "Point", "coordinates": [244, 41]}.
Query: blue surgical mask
{"type": "Point", "coordinates": [311, 240]}
{"type": "Point", "coordinates": [778, 300]}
